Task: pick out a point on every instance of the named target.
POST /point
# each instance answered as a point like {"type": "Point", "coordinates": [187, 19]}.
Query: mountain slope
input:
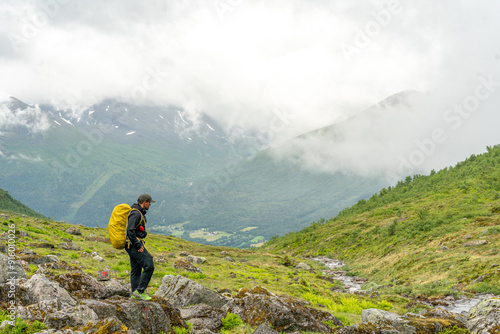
{"type": "Point", "coordinates": [429, 234]}
{"type": "Point", "coordinates": [77, 165]}
{"type": "Point", "coordinates": [307, 178]}
{"type": "Point", "coordinates": [8, 203]}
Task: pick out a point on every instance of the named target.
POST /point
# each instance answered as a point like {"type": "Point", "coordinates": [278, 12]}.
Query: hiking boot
{"type": "Point", "coordinates": [140, 296]}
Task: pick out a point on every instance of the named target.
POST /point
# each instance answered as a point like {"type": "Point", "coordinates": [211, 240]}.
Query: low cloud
{"type": "Point", "coordinates": [31, 118]}
{"type": "Point", "coordinates": [321, 62]}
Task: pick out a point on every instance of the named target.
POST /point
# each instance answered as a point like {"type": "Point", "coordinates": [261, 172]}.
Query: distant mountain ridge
{"type": "Point", "coordinates": [76, 165]}
{"type": "Point", "coordinates": [277, 190]}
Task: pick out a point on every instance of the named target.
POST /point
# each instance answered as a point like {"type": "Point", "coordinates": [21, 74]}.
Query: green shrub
{"type": "Point", "coordinates": [231, 321]}
{"type": "Point", "coordinates": [22, 326]}
{"type": "Point", "coordinates": [196, 275]}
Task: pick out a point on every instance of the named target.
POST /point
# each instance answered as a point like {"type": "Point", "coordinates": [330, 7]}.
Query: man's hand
{"type": "Point", "coordinates": [140, 250]}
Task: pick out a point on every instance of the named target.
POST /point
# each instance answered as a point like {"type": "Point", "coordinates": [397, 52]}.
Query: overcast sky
{"type": "Point", "coordinates": [253, 63]}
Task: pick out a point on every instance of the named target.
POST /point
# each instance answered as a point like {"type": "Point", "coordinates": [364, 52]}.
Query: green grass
{"type": "Point", "coordinates": [21, 326]}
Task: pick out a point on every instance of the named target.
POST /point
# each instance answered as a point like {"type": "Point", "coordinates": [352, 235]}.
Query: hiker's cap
{"type": "Point", "coordinates": [145, 198]}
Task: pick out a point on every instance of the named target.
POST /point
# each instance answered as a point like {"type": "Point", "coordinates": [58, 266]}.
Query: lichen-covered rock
{"type": "Point", "coordinates": [485, 317]}
{"type": "Point", "coordinates": [40, 288]}
{"type": "Point", "coordinates": [10, 269]}
{"type": "Point", "coordinates": [263, 329]}
{"type": "Point", "coordinates": [439, 313]}
{"type": "Point", "coordinates": [384, 318]}
{"type": "Point", "coordinates": [369, 328]}
{"type": "Point", "coordinates": [73, 231]}
{"type": "Point", "coordinates": [108, 325]}
{"type": "Point", "coordinates": [196, 259]}
{"type": "Point", "coordinates": [204, 316]}
{"type": "Point", "coordinates": [186, 266]}
{"type": "Point", "coordinates": [22, 296]}
{"type": "Point", "coordinates": [433, 321]}
{"type": "Point", "coordinates": [141, 316]}
{"type": "Point", "coordinates": [83, 286]}
{"type": "Point", "coordinates": [258, 306]}
{"type": "Point", "coordinates": [69, 246]}
{"type": "Point", "coordinates": [38, 259]}
{"type": "Point", "coordinates": [73, 317]}
{"type": "Point", "coordinates": [181, 291]}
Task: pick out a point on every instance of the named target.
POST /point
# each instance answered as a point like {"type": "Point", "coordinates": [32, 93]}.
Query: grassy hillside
{"type": "Point", "coordinates": [430, 235]}
{"type": "Point", "coordinates": [249, 268]}
{"type": "Point", "coordinates": [11, 205]}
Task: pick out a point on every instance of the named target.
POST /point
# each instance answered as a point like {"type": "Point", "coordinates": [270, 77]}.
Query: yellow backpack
{"type": "Point", "coordinates": [117, 226]}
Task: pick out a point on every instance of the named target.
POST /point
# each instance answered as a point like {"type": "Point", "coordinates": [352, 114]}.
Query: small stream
{"type": "Point", "coordinates": [352, 284]}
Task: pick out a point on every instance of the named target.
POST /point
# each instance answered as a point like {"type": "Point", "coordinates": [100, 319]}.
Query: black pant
{"type": "Point", "coordinates": [142, 268]}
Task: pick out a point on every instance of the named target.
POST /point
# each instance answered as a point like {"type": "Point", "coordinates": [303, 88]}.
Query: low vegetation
{"type": "Point", "coordinates": [428, 236]}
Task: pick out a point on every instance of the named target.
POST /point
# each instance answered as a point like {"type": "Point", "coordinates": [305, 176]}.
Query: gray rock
{"type": "Point", "coordinates": [203, 316]}
{"type": "Point", "coordinates": [263, 329]}
{"type": "Point", "coordinates": [76, 316]}
{"type": "Point", "coordinates": [380, 317]}
{"type": "Point", "coordinates": [303, 265]}
{"type": "Point", "coordinates": [228, 258]}
{"type": "Point", "coordinates": [196, 259]}
{"type": "Point", "coordinates": [140, 316]}
{"type": "Point", "coordinates": [7, 268]}
{"type": "Point", "coordinates": [69, 246]}
{"type": "Point", "coordinates": [485, 316]}
{"type": "Point", "coordinates": [186, 266]}
{"type": "Point", "coordinates": [181, 292]}
{"type": "Point", "coordinates": [257, 305]}
{"type": "Point", "coordinates": [73, 230]}
{"type": "Point", "coordinates": [83, 286]}
{"type": "Point", "coordinates": [475, 243]}
{"type": "Point", "coordinates": [99, 258]}
{"type": "Point", "coordinates": [40, 288]}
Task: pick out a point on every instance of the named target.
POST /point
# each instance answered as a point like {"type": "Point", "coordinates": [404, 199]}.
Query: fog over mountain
{"type": "Point", "coordinates": [276, 68]}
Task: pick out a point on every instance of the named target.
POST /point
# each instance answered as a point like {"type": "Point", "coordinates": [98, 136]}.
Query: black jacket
{"type": "Point", "coordinates": [134, 224]}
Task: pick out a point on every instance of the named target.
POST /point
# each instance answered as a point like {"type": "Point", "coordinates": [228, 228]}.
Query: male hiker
{"type": "Point", "coordinates": [141, 261]}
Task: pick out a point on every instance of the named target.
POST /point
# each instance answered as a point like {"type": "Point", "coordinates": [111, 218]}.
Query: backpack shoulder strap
{"type": "Point", "coordinates": [142, 217]}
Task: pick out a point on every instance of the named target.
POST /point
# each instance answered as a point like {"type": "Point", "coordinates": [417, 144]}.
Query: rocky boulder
{"type": "Point", "coordinates": [485, 317]}
{"type": "Point", "coordinates": [73, 311]}
{"type": "Point", "coordinates": [10, 269]}
{"type": "Point", "coordinates": [263, 329]}
{"type": "Point", "coordinates": [42, 289]}
{"type": "Point", "coordinates": [181, 292]}
{"type": "Point", "coordinates": [258, 306]}
{"type": "Point", "coordinates": [186, 266]}
{"type": "Point", "coordinates": [196, 259]}
{"type": "Point", "coordinates": [69, 246]}
{"type": "Point", "coordinates": [83, 286]}
{"type": "Point", "coordinates": [140, 316]}
{"type": "Point", "coordinates": [203, 316]}
{"type": "Point", "coordinates": [379, 321]}
{"type": "Point", "coordinates": [73, 231]}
